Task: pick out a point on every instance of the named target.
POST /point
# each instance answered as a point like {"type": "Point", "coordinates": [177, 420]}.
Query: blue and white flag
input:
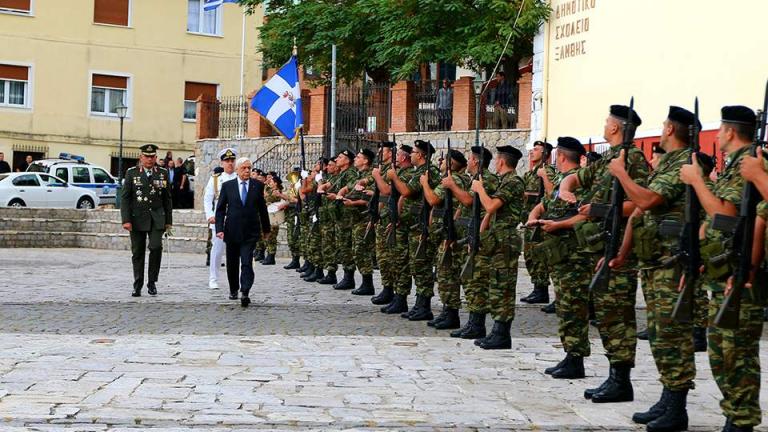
{"type": "Point", "coordinates": [210, 5]}
{"type": "Point", "coordinates": [279, 100]}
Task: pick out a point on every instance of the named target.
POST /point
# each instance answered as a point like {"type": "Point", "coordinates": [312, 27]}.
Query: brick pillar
{"type": "Point", "coordinates": [524, 109]}
{"type": "Point", "coordinates": [317, 111]}
{"type": "Point", "coordinates": [463, 104]}
{"type": "Point", "coordinates": [207, 125]}
{"type": "Point", "coordinates": [257, 126]}
{"type": "Point", "coordinates": [403, 107]}
{"type": "Point", "coordinates": [306, 109]}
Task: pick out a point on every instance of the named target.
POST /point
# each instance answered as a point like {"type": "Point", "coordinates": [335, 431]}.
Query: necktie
{"type": "Point", "coordinates": [243, 193]}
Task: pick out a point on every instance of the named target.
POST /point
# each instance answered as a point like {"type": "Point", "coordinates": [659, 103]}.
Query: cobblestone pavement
{"type": "Point", "coordinates": [78, 353]}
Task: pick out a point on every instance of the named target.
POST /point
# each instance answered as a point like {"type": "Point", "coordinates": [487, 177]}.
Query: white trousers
{"type": "Point", "coordinates": [217, 253]}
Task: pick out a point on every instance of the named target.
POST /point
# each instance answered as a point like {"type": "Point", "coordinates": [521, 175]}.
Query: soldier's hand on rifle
{"type": "Point", "coordinates": [391, 174]}
{"type": "Point", "coordinates": [332, 196]}
{"type": "Point", "coordinates": [448, 182]}
{"type": "Point", "coordinates": [424, 179]}
{"type": "Point", "coordinates": [617, 165]}
{"type": "Point", "coordinates": [477, 186]}
{"type": "Point", "coordinates": [359, 187]}
{"type": "Point", "coordinates": [368, 192]}
{"type": "Point", "coordinates": [691, 173]}
{"type": "Point", "coordinates": [376, 172]}
{"type": "Point", "coordinates": [585, 209]}
{"type": "Point", "coordinates": [752, 168]}
{"type": "Point", "coordinates": [348, 203]}
{"type": "Point", "coordinates": [549, 226]}
{"type": "Point", "coordinates": [541, 172]}
{"type": "Point", "coordinates": [566, 196]}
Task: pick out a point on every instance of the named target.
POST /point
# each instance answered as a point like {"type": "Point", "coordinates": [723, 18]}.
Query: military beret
{"type": "Point", "coordinates": [227, 153]}
{"type": "Point", "coordinates": [370, 155]}
{"type": "Point", "coordinates": [406, 148]}
{"type": "Point", "coordinates": [386, 144]}
{"type": "Point", "coordinates": [218, 170]}
{"type": "Point", "coordinates": [478, 150]}
{"type": "Point", "coordinates": [332, 160]}
{"type": "Point", "coordinates": [458, 157]}
{"type": "Point", "coordinates": [738, 114]}
{"type": "Point", "coordinates": [258, 171]}
{"type": "Point", "coordinates": [424, 146]}
{"type": "Point", "coordinates": [706, 162]}
{"type": "Point", "coordinates": [277, 179]}
{"type": "Point", "coordinates": [570, 143]}
{"type": "Point", "coordinates": [593, 156]}
{"type": "Point", "coordinates": [547, 146]}
{"type": "Point", "coordinates": [323, 160]}
{"type": "Point", "coordinates": [682, 116]}
{"type": "Point", "coordinates": [272, 173]}
{"type": "Point", "coordinates": [296, 168]}
{"type": "Point", "coordinates": [148, 150]}
{"type": "Point", "coordinates": [347, 153]}
{"type": "Point", "coordinates": [622, 112]}
{"type": "Point", "coordinates": [517, 154]}
{"type": "Point", "coordinates": [659, 150]}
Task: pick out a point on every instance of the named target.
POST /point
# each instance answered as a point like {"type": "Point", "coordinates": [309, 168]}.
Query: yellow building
{"type": "Point", "coordinates": [66, 65]}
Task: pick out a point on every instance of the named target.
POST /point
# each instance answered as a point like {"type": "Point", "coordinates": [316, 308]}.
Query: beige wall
{"type": "Point", "coordinates": [64, 47]}
{"type": "Point", "coordinates": [662, 52]}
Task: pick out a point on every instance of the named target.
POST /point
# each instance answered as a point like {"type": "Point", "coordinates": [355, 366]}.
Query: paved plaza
{"type": "Point", "coordinates": [78, 353]}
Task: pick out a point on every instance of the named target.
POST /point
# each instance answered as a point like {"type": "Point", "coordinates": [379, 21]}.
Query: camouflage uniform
{"type": "Point", "coordinates": [315, 248]}
{"type": "Point", "coordinates": [536, 268]}
{"type": "Point", "coordinates": [421, 268]}
{"type": "Point", "coordinates": [362, 249]}
{"type": "Point", "coordinates": [615, 308]}
{"type": "Point", "coordinates": [388, 266]}
{"type": "Point", "coordinates": [271, 243]}
{"type": "Point", "coordinates": [402, 235]}
{"type": "Point", "coordinates": [344, 246]}
{"type": "Point", "coordinates": [328, 215]}
{"type": "Point", "coordinates": [449, 278]}
{"type": "Point", "coordinates": [734, 355]}
{"type": "Point", "coordinates": [290, 223]}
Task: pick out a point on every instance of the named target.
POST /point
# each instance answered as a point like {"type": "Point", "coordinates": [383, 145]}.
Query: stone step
{"type": "Point", "coordinates": [33, 239]}
{"type": "Point", "coordinates": [199, 231]}
{"type": "Point", "coordinates": [41, 224]}
{"type": "Point", "coordinates": [179, 216]}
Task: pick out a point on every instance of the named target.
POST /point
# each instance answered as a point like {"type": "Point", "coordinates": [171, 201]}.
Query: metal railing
{"type": "Point", "coordinates": [232, 117]}
{"type": "Point", "coordinates": [362, 115]}
{"type": "Point", "coordinates": [434, 106]}
{"type": "Point", "coordinates": [282, 157]}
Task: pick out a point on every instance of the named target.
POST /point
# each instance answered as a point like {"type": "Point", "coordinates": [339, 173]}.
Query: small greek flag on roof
{"type": "Point", "coordinates": [210, 5]}
{"type": "Point", "coordinates": [279, 100]}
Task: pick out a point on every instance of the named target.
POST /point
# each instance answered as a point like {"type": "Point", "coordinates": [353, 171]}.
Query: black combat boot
{"type": "Point", "coordinates": [451, 320]}
{"type": "Point", "coordinates": [424, 312]}
{"type": "Point", "coordinates": [366, 287]}
{"type": "Point", "coordinates": [550, 308]}
{"type": "Point", "coordinates": [416, 305]}
{"type": "Point", "coordinates": [699, 339]}
{"type": "Point", "coordinates": [476, 328]}
{"type": "Point", "coordinates": [620, 387]}
{"type": "Point", "coordinates": [643, 335]}
{"type": "Point", "coordinates": [328, 279]}
{"type": "Point", "coordinates": [384, 296]}
{"type": "Point", "coordinates": [294, 264]}
{"type": "Point", "coordinates": [588, 393]}
{"type": "Point", "coordinates": [499, 338]}
{"type": "Point", "coordinates": [438, 318]}
{"type": "Point", "coordinates": [675, 417]}
{"type": "Point", "coordinates": [318, 274]}
{"type": "Point", "coordinates": [457, 333]}
{"type": "Point", "coordinates": [268, 260]}
{"type": "Point", "coordinates": [259, 255]}
{"type": "Point", "coordinates": [347, 282]}
{"type": "Point", "coordinates": [559, 364]}
{"type": "Point", "coordinates": [572, 369]}
{"type": "Point", "coordinates": [540, 294]}
{"type": "Point", "coordinates": [655, 411]}
{"type": "Point", "coordinates": [309, 271]}
{"type": "Point", "coordinates": [303, 267]}
{"type": "Point", "coordinates": [399, 304]}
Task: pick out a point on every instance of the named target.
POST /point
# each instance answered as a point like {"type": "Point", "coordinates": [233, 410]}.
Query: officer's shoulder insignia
{"type": "Point", "coordinates": [130, 170]}
{"type": "Point", "coordinates": [215, 174]}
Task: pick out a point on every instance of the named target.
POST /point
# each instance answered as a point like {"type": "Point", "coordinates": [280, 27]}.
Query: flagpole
{"type": "Point", "coordinates": [295, 53]}
{"type": "Point", "coordinates": [242, 73]}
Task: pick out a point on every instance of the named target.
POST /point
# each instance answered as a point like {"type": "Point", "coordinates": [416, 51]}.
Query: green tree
{"type": "Point", "coordinates": [389, 39]}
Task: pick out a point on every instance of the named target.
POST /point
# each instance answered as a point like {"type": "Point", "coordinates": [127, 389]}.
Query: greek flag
{"type": "Point", "coordinates": [210, 5]}
{"type": "Point", "coordinates": [279, 100]}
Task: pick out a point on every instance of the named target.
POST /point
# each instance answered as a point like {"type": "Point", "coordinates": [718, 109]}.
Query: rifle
{"type": "Point", "coordinates": [426, 209]}
{"type": "Point", "coordinates": [297, 218]}
{"type": "Point", "coordinates": [689, 251]}
{"type": "Point", "coordinates": [373, 206]}
{"type": "Point", "coordinates": [446, 259]}
{"type": "Point", "coordinates": [542, 191]}
{"type": "Point", "coordinates": [612, 223]}
{"type": "Point", "coordinates": [728, 315]}
{"type": "Point", "coordinates": [473, 231]}
{"type": "Point", "coordinates": [394, 197]}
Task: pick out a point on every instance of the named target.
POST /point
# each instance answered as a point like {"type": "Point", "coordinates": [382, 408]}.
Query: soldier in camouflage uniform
{"type": "Point", "coordinates": [537, 187]}
{"type": "Point", "coordinates": [504, 210]}
{"type": "Point", "coordinates": [733, 353]}
{"type": "Point", "coordinates": [312, 205]}
{"type": "Point", "coordinates": [344, 224]}
{"type": "Point", "coordinates": [290, 222]}
{"type": "Point", "coordinates": [476, 288]}
{"type": "Point", "coordinates": [272, 191]}
{"type": "Point", "coordinates": [614, 308]}
{"type": "Point", "coordinates": [384, 254]}
{"type": "Point", "coordinates": [569, 268]}
{"type": "Point", "coordinates": [449, 269]}
{"type": "Point", "coordinates": [328, 215]}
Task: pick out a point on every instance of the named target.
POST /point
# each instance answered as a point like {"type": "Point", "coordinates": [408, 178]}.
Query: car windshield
{"type": "Point", "coordinates": [4, 176]}
{"type": "Point", "coordinates": [36, 167]}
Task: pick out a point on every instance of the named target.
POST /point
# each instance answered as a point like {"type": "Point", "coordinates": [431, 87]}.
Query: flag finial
{"type": "Point", "coordinates": [295, 49]}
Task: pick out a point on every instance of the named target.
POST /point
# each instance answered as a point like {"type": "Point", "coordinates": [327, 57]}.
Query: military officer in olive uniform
{"type": "Point", "coordinates": [146, 212]}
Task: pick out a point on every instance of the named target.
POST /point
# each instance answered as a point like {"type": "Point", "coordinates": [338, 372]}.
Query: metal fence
{"type": "Point", "coordinates": [362, 115]}
{"type": "Point", "coordinates": [282, 157]}
{"type": "Point", "coordinates": [434, 106]}
{"type": "Point", "coordinates": [232, 117]}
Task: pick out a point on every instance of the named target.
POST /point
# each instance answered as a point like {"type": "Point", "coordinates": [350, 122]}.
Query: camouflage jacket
{"type": "Point", "coordinates": [598, 180]}
{"type": "Point", "coordinates": [533, 183]}
{"type": "Point", "coordinates": [413, 204]}
{"type": "Point", "coordinates": [510, 191]}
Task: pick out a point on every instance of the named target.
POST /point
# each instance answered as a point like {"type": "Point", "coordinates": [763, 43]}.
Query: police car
{"type": "Point", "coordinates": [29, 189]}
{"type": "Point", "coordinates": [76, 171]}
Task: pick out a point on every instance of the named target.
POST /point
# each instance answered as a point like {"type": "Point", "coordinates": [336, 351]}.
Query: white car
{"type": "Point", "coordinates": [76, 171]}
{"type": "Point", "coordinates": [28, 189]}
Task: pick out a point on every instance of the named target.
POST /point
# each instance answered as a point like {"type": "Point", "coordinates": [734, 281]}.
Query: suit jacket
{"type": "Point", "coordinates": [146, 202]}
{"type": "Point", "coordinates": [242, 223]}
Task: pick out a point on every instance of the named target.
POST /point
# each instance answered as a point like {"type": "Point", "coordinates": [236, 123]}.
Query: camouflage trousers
{"type": "Point", "coordinates": [385, 256]}
{"type": "Point", "coordinates": [701, 308]}
{"type": "Point", "coordinates": [363, 250]}
{"type": "Point", "coordinates": [422, 269]}
{"type": "Point", "coordinates": [502, 285]}
{"type": "Point", "coordinates": [449, 275]}
{"type": "Point", "coordinates": [344, 249]}
{"type": "Point", "coordinates": [734, 356]}
{"type": "Point", "coordinates": [314, 245]}
{"type": "Point", "coordinates": [400, 253]}
{"type": "Point", "coordinates": [328, 241]}
{"type": "Point", "coordinates": [536, 267]}
{"type": "Point", "coordinates": [671, 341]}
{"type": "Point", "coordinates": [571, 279]}
{"type": "Point", "coordinates": [476, 287]}
{"type": "Point", "coordinates": [616, 320]}
{"type": "Point", "coordinates": [293, 240]}
{"type": "Point", "coordinates": [271, 243]}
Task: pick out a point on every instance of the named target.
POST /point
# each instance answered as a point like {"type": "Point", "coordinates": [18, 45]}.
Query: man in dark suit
{"type": "Point", "coordinates": [241, 221]}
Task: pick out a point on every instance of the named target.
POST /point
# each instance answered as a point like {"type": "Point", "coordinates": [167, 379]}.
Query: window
{"type": "Point", "coordinates": [16, 6]}
{"type": "Point", "coordinates": [193, 90]}
{"type": "Point", "coordinates": [14, 85]}
{"type": "Point", "coordinates": [51, 181]}
{"type": "Point", "coordinates": [101, 176]}
{"type": "Point", "coordinates": [62, 174]}
{"type": "Point", "coordinates": [114, 12]}
{"type": "Point", "coordinates": [202, 21]}
{"type": "Point", "coordinates": [80, 175]}
{"type": "Point", "coordinates": [107, 93]}
{"type": "Point", "coordinates": [26, 180]}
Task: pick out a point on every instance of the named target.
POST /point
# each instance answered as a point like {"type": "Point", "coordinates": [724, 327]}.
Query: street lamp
{"type": "Point", "coordinates": [478, 85]}
{"type": "Point", "coordinates": [122, 111]}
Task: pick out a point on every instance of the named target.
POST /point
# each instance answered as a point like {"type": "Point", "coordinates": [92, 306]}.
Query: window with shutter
{"type": "Point", "coordinates": [16, 6]}
{"type": "Point", "coordinates": [193, 90]}
{"type": "Point", "coordinates": [113, 12]}
{"type": "Point", "coordinates": [14, 86]}
{"type": "Point", "coordinates": [107, 93]}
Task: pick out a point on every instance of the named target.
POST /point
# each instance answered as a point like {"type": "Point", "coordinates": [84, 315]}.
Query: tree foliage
{"type": "Point", "coordinates": [390, 39]}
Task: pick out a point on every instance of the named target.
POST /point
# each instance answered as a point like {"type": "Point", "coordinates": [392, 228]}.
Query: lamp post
{"type": "Point", "coordinates": [478, 86]}
{"type": "Point", "coordinates": [122, 111]}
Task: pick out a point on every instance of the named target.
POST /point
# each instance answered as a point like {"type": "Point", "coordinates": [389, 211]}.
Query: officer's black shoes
{"type": "Point", "coordinates": [136, 292]}
{"type": "Point", "coordinates": [294, 264]}
{"type": "Point", "coordinates": [151, 289]}
{"type": "Point", "coordinates": [618, 387]}
{"type": "Point", "coordinates": [699, 339]}
{"type": "Point", "coordinates": [268, 260]}
{"type": "Point", "coordinates": [451, 320]}
{"type": "Point", "coordinates": [383, 297]}
{"type": "Point", "coordinates": [308, 272]}
{"type": "Point", "coordinates": [233, 296]}
{"type": "Point", "coordinates": [303, 267]}
{"type": "Point", "coordinates": [423, 310]}
{"type": "Point", "coordinates": [245, 301]}
{"type": "Point", "coordinates": [399, 304]}
{"type": "Point", "coordinates": [499, 338]}
{"type": "Point", "coordinates": [438, 318]}
{"type": "Point", "coordinates": [258, 255]}
{"type": "Point", "coordinates": [328, 279]}
{"type": "Point", "coordinates": [655, 411]}
{"type": "Point", "coordinates": [476, 327]}
{"type": "Point", "coordinates": [675, 417]}
{"type": "Point", "coordinates": [366, 287]}
{"type": "Point", "coordinates": [643, 335]}
{"type": "Point", "coordinates": [572, 368]}
{"type": "Point", "coordinates": [540, 294]}
{"type": "Point", "coordinates": [550, 308]}
{"type": "Point", "coordinates": [317, 274]}
{"type": "Point", "coordinates": [347, 282]}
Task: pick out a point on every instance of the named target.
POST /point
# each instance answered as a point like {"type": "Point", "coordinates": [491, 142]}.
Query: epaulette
{"type": "Point", "coordinates": [215, 174]}
{"type": "Point", "coordinates": [131, 169]}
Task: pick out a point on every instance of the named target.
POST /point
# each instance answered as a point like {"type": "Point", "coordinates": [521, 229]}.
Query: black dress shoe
{"type": "Point", "coordinates": [136, 292]}
{"type": "Point", "coordinates": [233, 296]}
{"type": "Point", "coordinates": [245, 301]}
{"type": "Point", "coordinates": [151, 289]}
